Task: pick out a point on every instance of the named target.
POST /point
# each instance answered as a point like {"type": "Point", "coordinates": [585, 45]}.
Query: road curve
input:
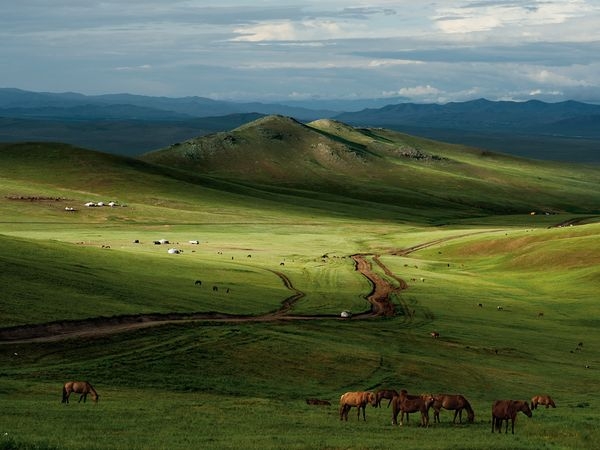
{"type": "Point", "coordinates": [379, 297]}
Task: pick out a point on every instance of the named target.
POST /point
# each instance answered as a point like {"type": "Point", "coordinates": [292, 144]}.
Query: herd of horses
{"type": "Point", "coordinates": [404, 403]}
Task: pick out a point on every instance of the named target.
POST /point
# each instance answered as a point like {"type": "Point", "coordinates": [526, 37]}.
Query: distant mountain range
{"type": "Point", "coordinates": [481, 114]}
{"type": "Point", "coordinates": [133, 124]}
{"type": "Point", "coordinates": [69, 105]}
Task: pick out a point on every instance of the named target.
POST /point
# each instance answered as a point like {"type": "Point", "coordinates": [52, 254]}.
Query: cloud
{"type": "Point", "coordinates": [448, 50]}
{"type": "Point", "coordinates": [415, 91]}
{"type": "Point", "coordinates": [391, 62]}
{"type": "Point", "coordinates": [467, 24]}
{"type": "Point", "coordinates": [542, 53]}
{"type": "Point", "coordinates": [363, 12]}
{"type": "Point", "coordinates": [134, 68]}
{"type": "Point", "coordinates": [282, 31]}
{"type": "Point", "coordinates": [485, 16]}
{"type": "Point", "coordinates": [548, 77]}
{"type": "Point", "coordinates": [539, 92]}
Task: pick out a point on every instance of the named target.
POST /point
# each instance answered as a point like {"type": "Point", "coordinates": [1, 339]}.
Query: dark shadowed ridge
{"type": "Point", "coordinates": [274, 148]}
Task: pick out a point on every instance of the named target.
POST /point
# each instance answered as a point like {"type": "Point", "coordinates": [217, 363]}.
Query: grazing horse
{"type": "Point", "coordinates": [508, 409]}
{"type": "Point", "coordinates": [406, 403]}
{"type": "Point", "coordinates": [359, 400]}
{"type": "Point", "coordinates": [542, 400]}
{"type": "Point", "coordinates": [454, 402]}
{"type": "Point", "coordinates": [385, 393]}
{"type": "Point", "coordinates": [79, 387]}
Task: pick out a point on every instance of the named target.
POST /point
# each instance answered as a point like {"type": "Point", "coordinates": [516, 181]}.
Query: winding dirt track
{"type": "Point", "coordinates": [379, 298]}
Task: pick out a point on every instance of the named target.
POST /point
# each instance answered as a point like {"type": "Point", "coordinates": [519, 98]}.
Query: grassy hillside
{"type": "Point", "coordinates": [400, 171]}
{"type": "Point", "coordinates": [423, 219]}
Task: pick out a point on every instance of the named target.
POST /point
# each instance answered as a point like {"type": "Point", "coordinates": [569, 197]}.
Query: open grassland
{"type": "Point", "coordinates": [240, 383]}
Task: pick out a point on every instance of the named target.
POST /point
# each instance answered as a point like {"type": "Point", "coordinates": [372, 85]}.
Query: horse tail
{"type": "Point", "coordinates": [64, 397]}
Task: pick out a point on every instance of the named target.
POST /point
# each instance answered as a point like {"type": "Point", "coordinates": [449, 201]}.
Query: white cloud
{"type": "Point", "coordinates": [468, 24]}
{"type": "Point", "coordinates": [282, 31]}
{"type": "Point", "coordinates": [521, 15]}
{"type": "Point", "coordinates": [392, 62]}
{"type": "Point", "coordinates": [539, 92]}
{"type": "Point", "coordinates": [134, 68]}
{"type": "Point", "coordinates": [311, 30]}
{"type": "Point", "coordinates": [414, 92]}
{"type": "Point", "coordinates": [548, 77]}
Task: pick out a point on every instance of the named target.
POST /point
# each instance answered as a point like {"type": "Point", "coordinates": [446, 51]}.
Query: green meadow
{"type": "Point", "coordinates": [457, 229]}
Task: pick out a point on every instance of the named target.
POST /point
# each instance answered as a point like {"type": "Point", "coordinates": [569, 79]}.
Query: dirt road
{"type": "Point", "coordinates": [379, 298]}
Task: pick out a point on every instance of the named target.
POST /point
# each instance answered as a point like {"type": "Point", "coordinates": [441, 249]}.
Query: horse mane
{"type": "Point", "coordinates": [469, 409]}
{"type": "Point", "coordinates": [92, 388]}
{"type": "Point", "coordinates": [468, 406]}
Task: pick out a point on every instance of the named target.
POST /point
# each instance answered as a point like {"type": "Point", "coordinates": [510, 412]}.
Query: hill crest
{"type": "Point", "coordinates": [375, 165]}
{"type": "Point", "coordinates": [270, 148]}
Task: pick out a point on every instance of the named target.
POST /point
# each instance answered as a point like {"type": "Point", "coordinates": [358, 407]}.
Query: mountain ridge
{"type": "Point", "coordinates": [120, 123]}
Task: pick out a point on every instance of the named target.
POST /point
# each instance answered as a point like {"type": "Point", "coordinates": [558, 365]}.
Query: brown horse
{"type": "Point", "coordinates": [79, 387]}
{"type": "Point", "coordinates": [542, 400]}
{"type": "Point", "coordinates": [359, 400]}
{"type": "Point", "coordinates": [454, 402]}
{"type": "Point", "coordinates": [508, 409]}
{"type": "Point", "coordinates": [385, 393]}
{"type": "Point", "coordinates": [406, 403]}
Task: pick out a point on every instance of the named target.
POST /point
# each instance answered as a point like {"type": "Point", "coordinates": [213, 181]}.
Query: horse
{"type": "Point", "coordinates": [405, 394]}
{"type": "Point", "coordinates": [508, 409]}
{"type": "Point", "coordinates": [454, 402]}
{"type": "Point", "coordinates": [317, 401]}
{"type": "Point", "coordinates": [542, 400]}
{"type": "Point", "coordinates": [358, 399]}
{"type": "Point", "coordinates": [385, 393]}
{"type": "Point", "coordinates": [406, 403]}
{"type": "Point", "coordinates": [79, 387]}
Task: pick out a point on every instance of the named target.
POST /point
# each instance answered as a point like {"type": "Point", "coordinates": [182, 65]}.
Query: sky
{"type": "Point", "coordinates": [285, 50]}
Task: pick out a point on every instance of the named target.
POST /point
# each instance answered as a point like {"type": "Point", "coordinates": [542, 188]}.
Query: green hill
{"type": "Point", "coordinates": [383, 167]}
